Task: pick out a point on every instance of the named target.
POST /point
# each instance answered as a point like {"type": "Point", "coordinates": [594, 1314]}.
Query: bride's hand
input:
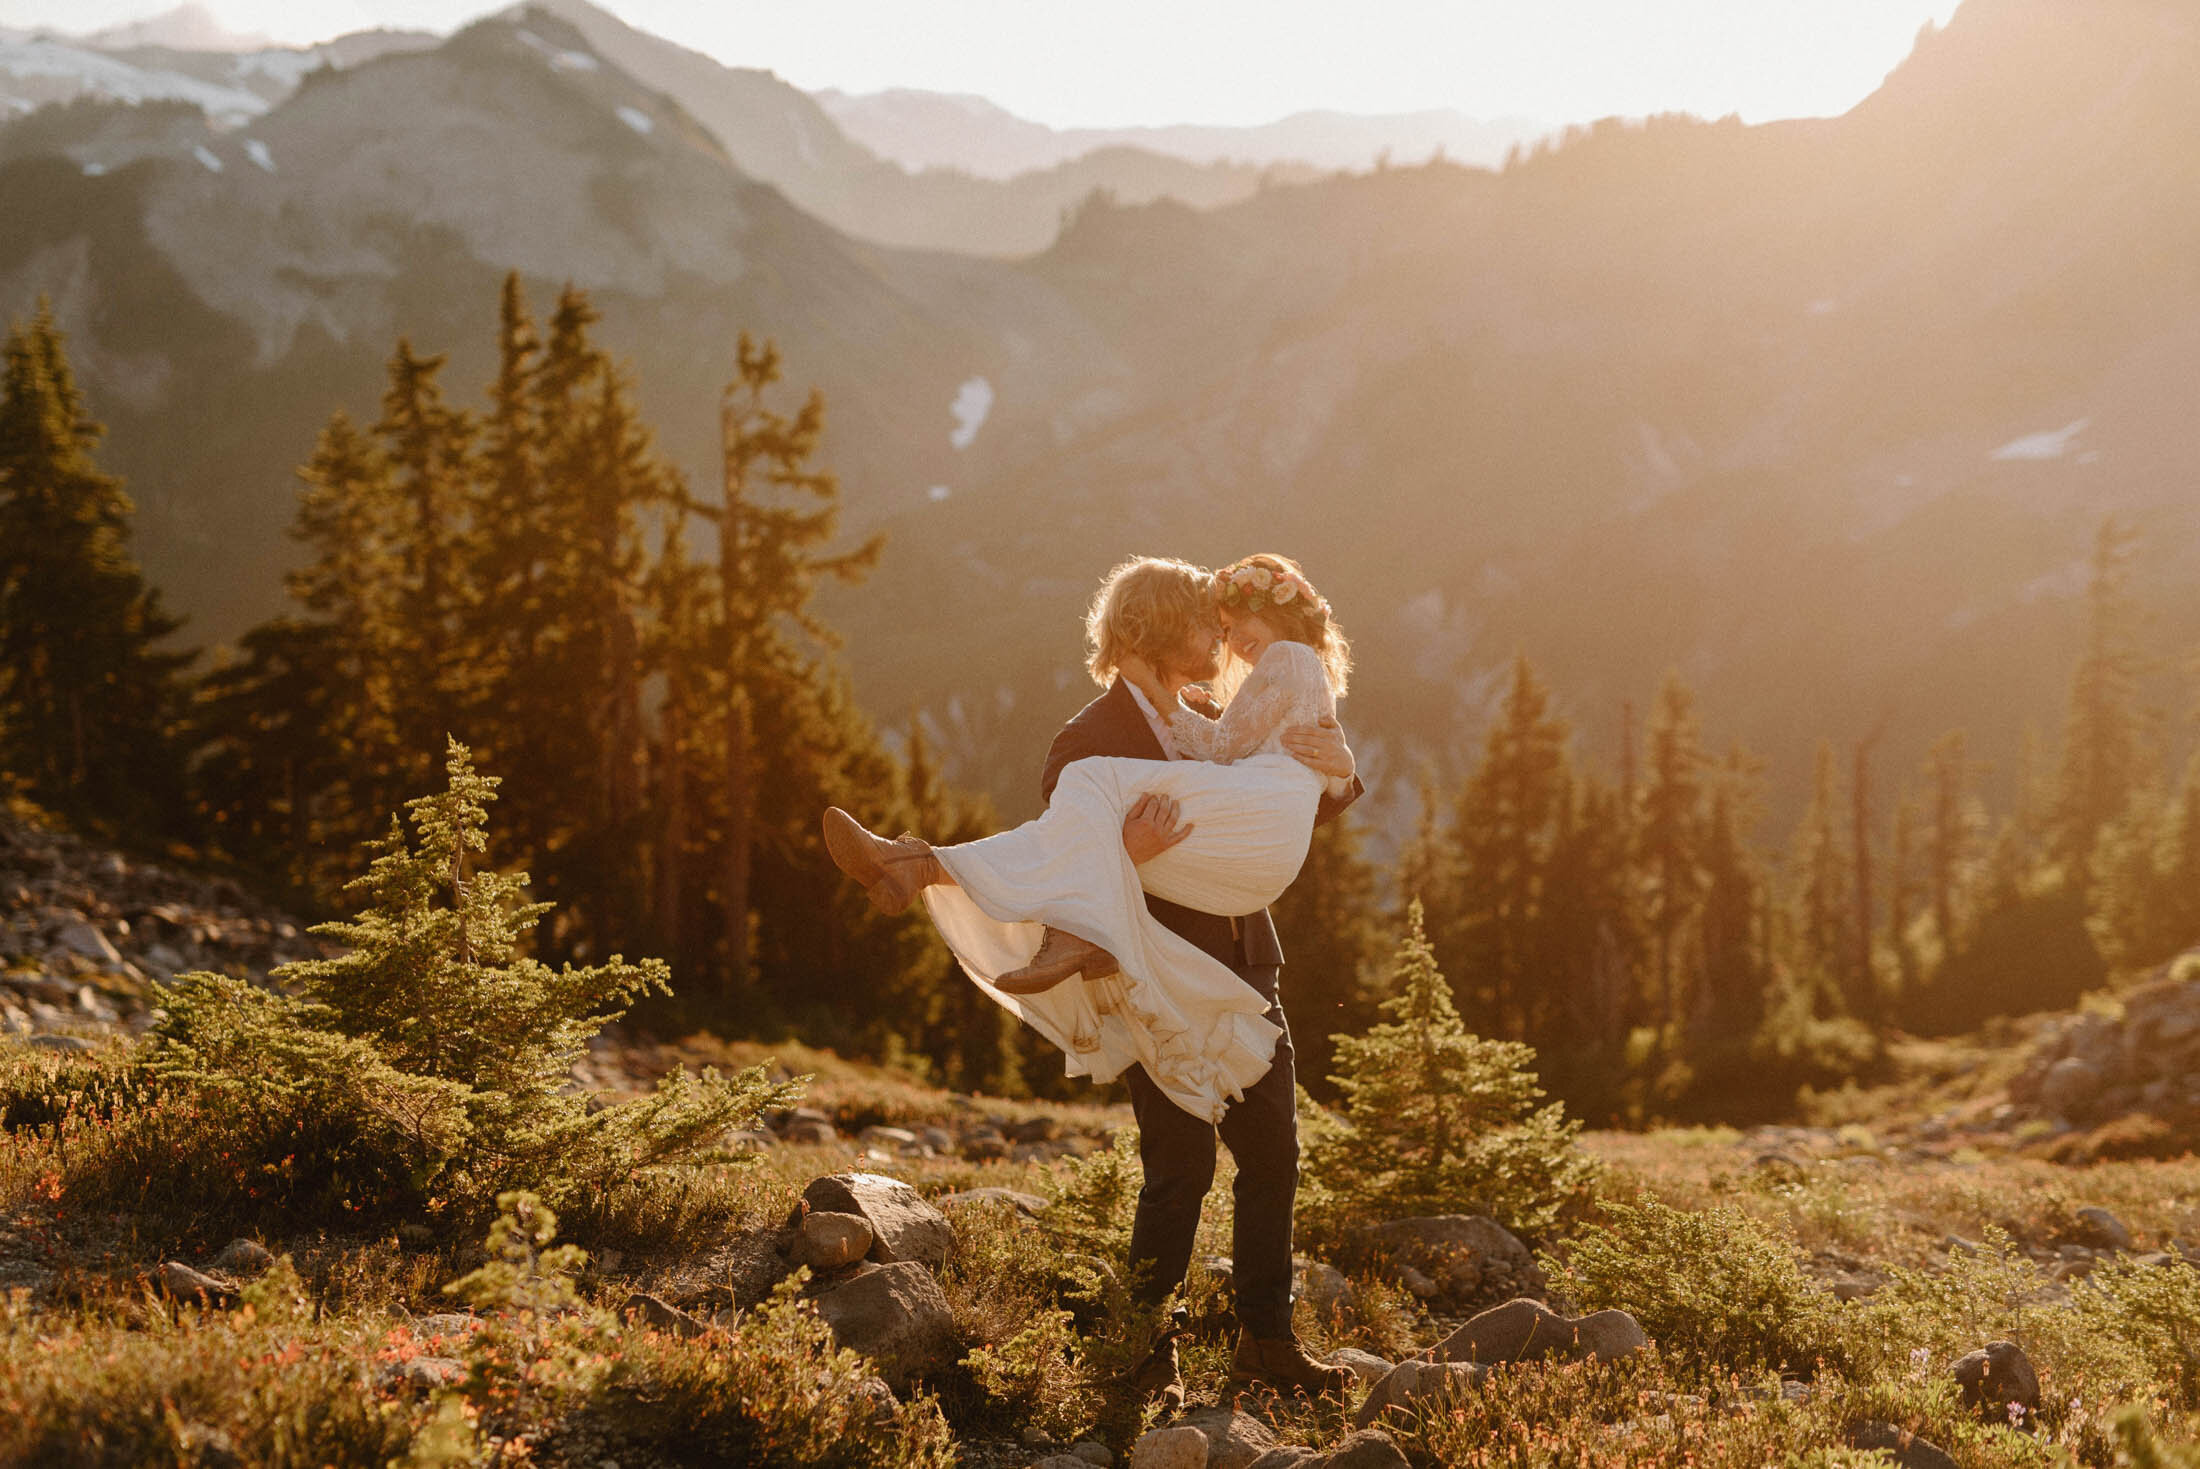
{"type": "Point", "coordinates": [1321, 748]}
{"type": "Point", "coordinates": [1141, 676]}
{"type": "Point", "coordinates": [1200, 700]}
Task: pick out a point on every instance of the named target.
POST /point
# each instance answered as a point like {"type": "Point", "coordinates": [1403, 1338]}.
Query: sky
{"type": "Point", "coordinates": [1125, 62]}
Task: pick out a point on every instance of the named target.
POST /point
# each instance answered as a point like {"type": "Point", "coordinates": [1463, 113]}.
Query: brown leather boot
{"type": "Point", "coordinates": [1060, 956]}
{"type": "Point", "coordinates": [1160, 1378]}
{"type": "Point", "coordinates": [892, 872]}
{"type": "Point", "coordinates": [1282, 1363]}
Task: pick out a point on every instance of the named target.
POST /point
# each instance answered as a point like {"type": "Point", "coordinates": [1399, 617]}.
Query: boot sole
{"type": "Point", "coordinates": [1008, 984]}
{"type": "Point", "coordinates": [850, 846]}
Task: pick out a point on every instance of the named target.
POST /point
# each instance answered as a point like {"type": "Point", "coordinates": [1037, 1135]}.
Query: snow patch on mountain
{"type": "Point", "coordinates": [561, 59]}
{"type": "Point", "coordinates": [206, 156]}
{"type": "Point", "coordinates": [973, 401]}
{"type": "Point", "coordinates": [2053, 444]}
{"type": "Point", "coordinates": [256, 150]}
{"type": "Point", "coordinates": [41, 71]}
{"type": "Point", "coordinates": [638, 120]}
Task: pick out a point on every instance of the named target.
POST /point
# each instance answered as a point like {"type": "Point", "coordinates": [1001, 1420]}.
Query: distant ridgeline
{"type": "Point", "coordinates": [644, 667]}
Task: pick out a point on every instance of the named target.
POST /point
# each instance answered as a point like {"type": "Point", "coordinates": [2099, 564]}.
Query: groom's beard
{"type": "Point", "coordinates": [1200, 669]}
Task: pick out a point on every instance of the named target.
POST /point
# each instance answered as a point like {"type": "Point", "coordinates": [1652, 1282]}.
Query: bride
{"type": "Point", "coordinates": [1027, 909]}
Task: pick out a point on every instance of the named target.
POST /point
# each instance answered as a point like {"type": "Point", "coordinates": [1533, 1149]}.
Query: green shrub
{"type": "Point", "coordinates": [2146, 1450]}
{"type": "Point", "coordinates": [1438, 1120]}
{"type": "Point", "coordinates": [422, 1073]}
{"type": "Point", "coordinates": [1716, 1289]}
{"type": "Point", "coordinates": [2154, 1310]}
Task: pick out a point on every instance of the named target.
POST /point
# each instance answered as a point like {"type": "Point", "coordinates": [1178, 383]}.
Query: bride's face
{"type": "Point", "coordinates": [1247, 633]}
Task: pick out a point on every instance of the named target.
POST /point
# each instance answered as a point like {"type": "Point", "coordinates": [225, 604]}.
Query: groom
{"type": "Point", "coordinates": [1157, 613]}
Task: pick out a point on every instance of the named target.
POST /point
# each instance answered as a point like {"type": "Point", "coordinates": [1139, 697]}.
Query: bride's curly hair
{"type": "Point", "coordinates": [1289, 604]}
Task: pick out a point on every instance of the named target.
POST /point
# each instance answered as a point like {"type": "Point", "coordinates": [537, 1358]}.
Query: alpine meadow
{"type": "Point", "coordinates": [585, 629]}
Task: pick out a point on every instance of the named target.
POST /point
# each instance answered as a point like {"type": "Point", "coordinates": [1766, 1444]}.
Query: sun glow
{"type": "Point", "coordinates": [1085, 62]}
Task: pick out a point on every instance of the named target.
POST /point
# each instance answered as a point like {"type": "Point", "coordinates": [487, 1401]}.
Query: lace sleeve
{"type": "Point", "coordinates": [1287, 681]}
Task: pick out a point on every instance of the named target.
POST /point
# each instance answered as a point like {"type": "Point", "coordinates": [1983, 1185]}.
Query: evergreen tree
{"type": "Point", "coordinates": [1593, 940]}
{"type": "Point", "coordinates": [2145, 903]}
{"type": "Point", "coordinates": [775, 516]}
{"type": "Point", "coordinates": [1735, 972]}
{"type": "Point", "coordinates": [2104, 742]}
{"type": "Point", "coordinates": [88, 704]}
{"type": "Point", "coordinates": [1954, 822]}
{"type": "Point", "coordinates": [1502, 833]}
{"type": "Point", "coordinates": [1821, 911]}
{"type": "Point", "coordinates": [1669, 841]}
{"type": "Point", "coordinates": [1439, 1120]}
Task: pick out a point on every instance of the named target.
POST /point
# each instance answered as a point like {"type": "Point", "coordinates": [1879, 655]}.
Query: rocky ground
{"type": "Point", "coordinates": [885, 1177]}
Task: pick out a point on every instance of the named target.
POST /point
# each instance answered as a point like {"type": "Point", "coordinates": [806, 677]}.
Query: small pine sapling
{"type": "Point", "coordinates": [1438, 1120]}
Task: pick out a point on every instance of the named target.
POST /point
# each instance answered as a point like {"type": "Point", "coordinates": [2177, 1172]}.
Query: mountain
{"type": "Point", "coordinates": [940, 130]}
{"type": "Point", "coordinates": [185, 28]}
{"type": "Point", "coordinates": [779, 134]}
{"type": "Point", "coordinates": [1821, 413]}
{"type": "Point", "coordinates": [229, 86]}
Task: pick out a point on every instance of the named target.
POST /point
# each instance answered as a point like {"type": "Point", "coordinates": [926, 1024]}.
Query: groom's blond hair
{"type": "Point", "coordinates": [1146, 607]}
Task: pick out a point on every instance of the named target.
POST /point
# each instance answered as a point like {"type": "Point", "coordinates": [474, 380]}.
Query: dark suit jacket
{"type": "Point", "coordinates": [1113, 725]}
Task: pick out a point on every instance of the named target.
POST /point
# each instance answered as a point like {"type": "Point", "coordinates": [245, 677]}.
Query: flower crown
{"type": "Point", "coordinates": [1255, 588]}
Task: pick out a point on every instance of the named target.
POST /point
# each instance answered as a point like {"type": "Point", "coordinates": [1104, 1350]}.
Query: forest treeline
{"type": "Point", "coordinates": [638, 659]}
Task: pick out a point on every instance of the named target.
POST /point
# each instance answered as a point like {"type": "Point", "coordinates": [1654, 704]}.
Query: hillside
{"type": "Point", "coordinates": [1823, 413]}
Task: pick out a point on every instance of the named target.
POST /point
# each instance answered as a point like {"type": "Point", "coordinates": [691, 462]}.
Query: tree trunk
{"type": "Point", "coordinates": [740, 841]}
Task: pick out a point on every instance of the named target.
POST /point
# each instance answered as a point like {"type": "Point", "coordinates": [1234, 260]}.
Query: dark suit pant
{"type": "Point", "coordinates": [1261, 1130]}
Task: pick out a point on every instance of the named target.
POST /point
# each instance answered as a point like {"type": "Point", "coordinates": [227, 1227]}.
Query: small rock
{"type": "Point", "coordinates": [751, 1140]}
{"type": "Point", "coordinates": [1855, 1285]}
{"type": "Point", "coordinates": [1234, 1439]}
{"type": "Point", "coordinates": [1095, 1454]}
{"type": "Point", "coordinates": [1417, 1284]}
{"type": "Point", "coordinates": [1036, 1437]}
{"type": "Point", "coordinates": [419, 1372]}
{"type": "Point", "coordinates": [185, 1284]}
{"type": "Point", "coordinates": [1995, 1376]}
{"type": "Point", "coordinates": [63, 1043]}
{"type": "Point", "coordinates": [244, 1257]}
{"type": "Point", "coordinates": [896, 1315]}
{"type": "Point", "coordinates": [938, 1139]}
{"type": "Point", "coordinates": [833, 1241]}
{"type": "Point", "coordinates": [903, 1225]}
{"type": "Point", "coordinates": [1907, 1449]}
{"type": "Point", "coordinates": [1523, 1329]}
{"type": "Point", "coordinates": [1040, 1129]}
{"type": "Point", "coordinates": [1366, 1366]}
{"type": "Point", "coordinates": [984, 1147]}
{"type": "Point", "coordinates": [1031, 1205]}
{"type": "Point", "coordinates": [1289, 1456]}
{"type": "Point", "coordinates": [2103, 1230]}
{"type": "Point", "coordinates": [1413, 1381]}
{"type": "Point", "coordinates": [1170, 1448]}
{"type": "Point", "coordinates": [1060, 1461]}
{"type": "Point", "coordinates": [808, 1133]}
{"type": "Point", "coordinates": [88, 942]}
{"type": "Point", "coordinates": [1367, 1448]}
{"type": "Point", "coordinates": [445, 1323]}
{"type": "Point", "coordinates": [895, 1139]}
{"type": "Point", "coordinates": [661, 1316]}
{"type": "Point", "coordinates": [1324, 1287]}
{"type": "Point", "coordinates": [2068, 1085]}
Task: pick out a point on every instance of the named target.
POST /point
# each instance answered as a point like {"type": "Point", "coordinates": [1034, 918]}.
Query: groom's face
{"type": "Point", "coordinates": [1201, 656]}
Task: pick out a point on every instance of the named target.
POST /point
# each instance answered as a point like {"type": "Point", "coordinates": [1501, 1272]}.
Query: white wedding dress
{"type": "Point", "coordinates": [1186, 1017]}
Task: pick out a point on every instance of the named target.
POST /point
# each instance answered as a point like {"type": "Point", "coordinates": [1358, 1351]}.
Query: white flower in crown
{"type": "Point", "coordinates": [1263, 578]}
{"type": "Point", "coordinates": [1243, 577]}
{"type": "Point", "coordinates": [1286, 590]}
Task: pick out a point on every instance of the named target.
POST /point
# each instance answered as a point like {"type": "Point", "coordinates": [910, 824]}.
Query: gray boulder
{"type": "Point", "coordinates": [1995, 1376]}
{"type": "Point", "coordinates": [1234, 1440]}
{"type": "Point", "coordinates": [896, 1315]}
{"type": "Point", "coordinates": [87, 942]}
{"type": "Point", "coordinates": [1324, 1287]}
{"type": "Point", "coordinates": [1406, 1386]}
{"type": "Point", "coordinates": [1368, 1448]}
{"type": "Point", "coordinates": [1468, 1258]}
{"type": "Point", "coordinates": [244, 1257]}
{"type": "Point", "coordinates": [1521, 1330]}
{"type": "Point", "coordinates": [903, 1225]}
{"type": "Point", "coordinates": [1030, 1205]}
{"type": "Point", "coordinates": [185, 1284]}
{"type": "Point", "coordinates": [1366, 1366]}
{"type": "Point", "coordinates": [2069, 1084]}
{"type": "Point", "coordinates": [2102, 1230]}
{"type": "Point", "coordinates": [1905, 1447]}
{"type": "Point", "coordinates": [830, 1241]}
{"type": "Point", "coordinates": [1170, 1448]}
{"type": "Point", "coordinates": [423, 1374]}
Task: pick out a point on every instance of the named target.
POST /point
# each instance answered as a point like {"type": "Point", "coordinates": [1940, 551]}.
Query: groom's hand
{"type": "Point", "coordinates": [1321, 748]}
{"type": "Point", "coordinates": [1152, 828]}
